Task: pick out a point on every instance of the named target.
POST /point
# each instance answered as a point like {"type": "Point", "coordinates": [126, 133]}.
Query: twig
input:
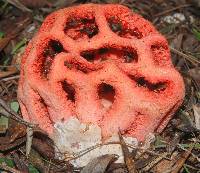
{"type": "Point", "coordinates": [192, 167]}
{"type": "Point", "coordinates": [7, 168]}
{"type": "Point", "coordinates": [8, 73]}
{"type": "Point", "coordinates": [11, 114]}
{"type": "Point", "coordinates": [130, 164]}
{"type": "Point", "coordinates": [10, 146]}
{"type": "Point", "coordinates": [179, 164]}
{"type": "Point", "coordinates": [188, 57]}
{"type": "Point", "coordinates": [10, 78]}
{"type": "Point", "coordinates": [49, 166]}
{"type": "Point", "coordinates": [14, 115]}
{"type": "Point", "coordinates": [82, 153]}
{"type": "Point", "coordinates": [49, 162]}
{"type": "Point", "coordinates": [5, 113]}
{"type": "Point", "coordinates": [3, 66]}
{"type": "Point", "coordinates": [154, 162]}
{"type": "Point", "coordinates": [150, 152]}
{"type": "Point", "coordinates": [172, 9]}
{"type": "Point", "coordinates": [21, 25]}
{"type": "Point", "coordinates": [193, 155]}
{"type": "Point", "coordinates": [87, 150]}
{"type": "Point", "coordinates": [19, 5]}
{"type": "Point", "coordinates": [29, 136]}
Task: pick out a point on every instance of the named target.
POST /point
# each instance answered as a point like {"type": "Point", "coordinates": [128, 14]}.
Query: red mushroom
{"type": "Point", "coordinates": [104, 65]}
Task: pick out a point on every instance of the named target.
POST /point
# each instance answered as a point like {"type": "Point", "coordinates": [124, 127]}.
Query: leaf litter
{"type": "Point", "coordinates": [174, 150]}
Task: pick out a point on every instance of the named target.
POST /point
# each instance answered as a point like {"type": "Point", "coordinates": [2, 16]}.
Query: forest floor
{"type": "Point", "coordinates": [176, 149]}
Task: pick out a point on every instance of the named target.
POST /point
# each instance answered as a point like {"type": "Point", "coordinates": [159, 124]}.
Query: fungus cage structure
{"type": "Point", "coordinates": [103, 65]}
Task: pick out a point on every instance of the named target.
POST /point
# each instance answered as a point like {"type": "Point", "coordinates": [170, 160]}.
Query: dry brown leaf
{"type": "Point", "coordinates": [44, 146]}
{"type": "Point", "coordinates": [64, 3]}
{"type": "Point", "coordinates": [196, 109]}
{"type": "Point", "coordinates": [180, 162]}
{"type": "Point", "coordinates": [127, 156]}
{"type": "Point", "coordinates": [159, 1]}
{"type": "Point", "coordinates": [10, 70]}
{"type": "Point", "coordinates": [6, 168]}
{"type": "Point", "coordinates": [16, 30]}
{"type": "Point", "coordinates": [8, 73]}
{"type": "Point", "coordinates": [164, 164]}
{"type": "Point", "coordinates": [99, 164]}
{"type": "Point", "coordinates": [17, 131]}
{"type": "Point", "coordinates": [154, 162]}
{"type": "Point", "coordinates": [189, 43]}
{"type": "Point", "coordinates": [112, 1]}
{"type": "Point", "coordinates": [35, 3]}
{"type": "Point", "coordinates": [4, 42]}
{"type": "Point", "coordinates": [19, 5]}
{"type": "Point", "coordinates": [20, 163]}
{"type": "Point", "coordinates": [195, 73]}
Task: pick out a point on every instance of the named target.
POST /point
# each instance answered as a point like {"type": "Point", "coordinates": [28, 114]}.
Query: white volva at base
{"type": "Point", "coordinates": [73, 137]}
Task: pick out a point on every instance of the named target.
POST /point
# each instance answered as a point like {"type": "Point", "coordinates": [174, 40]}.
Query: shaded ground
{"type": "Point", "coordinates": [177, 149]}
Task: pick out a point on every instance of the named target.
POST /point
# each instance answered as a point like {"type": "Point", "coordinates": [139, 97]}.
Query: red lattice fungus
{"type": "Point", "coordinates": [102, 64]}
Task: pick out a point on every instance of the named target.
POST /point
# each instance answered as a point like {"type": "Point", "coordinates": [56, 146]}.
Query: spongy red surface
{"type": "Point", "coordinates": [102, 64]}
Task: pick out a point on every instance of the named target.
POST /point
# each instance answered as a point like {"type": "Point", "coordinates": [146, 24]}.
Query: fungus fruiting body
{"type": "Point", "coordinates": [102, 65]}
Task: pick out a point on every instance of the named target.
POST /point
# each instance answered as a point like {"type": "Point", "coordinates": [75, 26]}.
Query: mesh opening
{"type": "Point", "coordinates": [120, 29]}
{"type": "Point", "coordinates": [70, 91]}
{"type": "Point", "coordinates": [142, 82]}
{"type": "Point", "coordinates": [42, 106]}
{"type": "Point", "coordinates": [81, 28]}
{"type": "Point", "coordinates": [124, 55]}
{"type": "Point", "coordinates": [106, 94]}
{"type": "Point", "coordinates": [53, 48]}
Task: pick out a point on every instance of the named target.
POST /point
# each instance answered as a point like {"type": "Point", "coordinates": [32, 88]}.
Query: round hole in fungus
{"type": "Point", "coordinates": [142, 82]}
{"type": "Point", "coordinates": [115, 24]}
{"type": "Point", "coordinates": [106, 94]}
{"type": "Point", "coordinates": [102, 54]}
{"type": "Point", "coordinates": [103, 50]}
{"type": "Point", "coordinates": [80, 28]}
{"type": "Point", "coordinates": [90, 28]}
{"type": "Point", "coordinates": [46, 67]}
{"type": "Point", "coordinates": [122, 30]}
{"type": "Point", "coordinates": [88, 55]}
{"type": "Point", "coordinates": [130, 56]}
{"type": "Point", "coordinates": [53, 48]}
{"type": "Point", "coordinates": [70, 91]}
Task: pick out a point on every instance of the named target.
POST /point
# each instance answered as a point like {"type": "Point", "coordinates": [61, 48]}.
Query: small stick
{"type": "Point", "coordinates": [179, 164]}
{"type": "Point", "coordinates": [19, 5]}
{"type": "Point", "coordinates": [14, 115]}
{"type": "Point", "coordinates": [172, 9]}
{"type": "Point", "coordinates": [8, 73]}
{"type": "Point", "coordinates": [10, 78]}
{"type": "Point", "coordinates": [127, 156]}
{"type": "Point", "coordinates": [154, 162]}
{"type": "Point", "coordinates": [85, 151]}
{"type": "Point", "coordinates": [188, 57]}
{"type": "Point", "coordinates": [29, 136]}
{"type": "Point", "coordinates": [7, 168]}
